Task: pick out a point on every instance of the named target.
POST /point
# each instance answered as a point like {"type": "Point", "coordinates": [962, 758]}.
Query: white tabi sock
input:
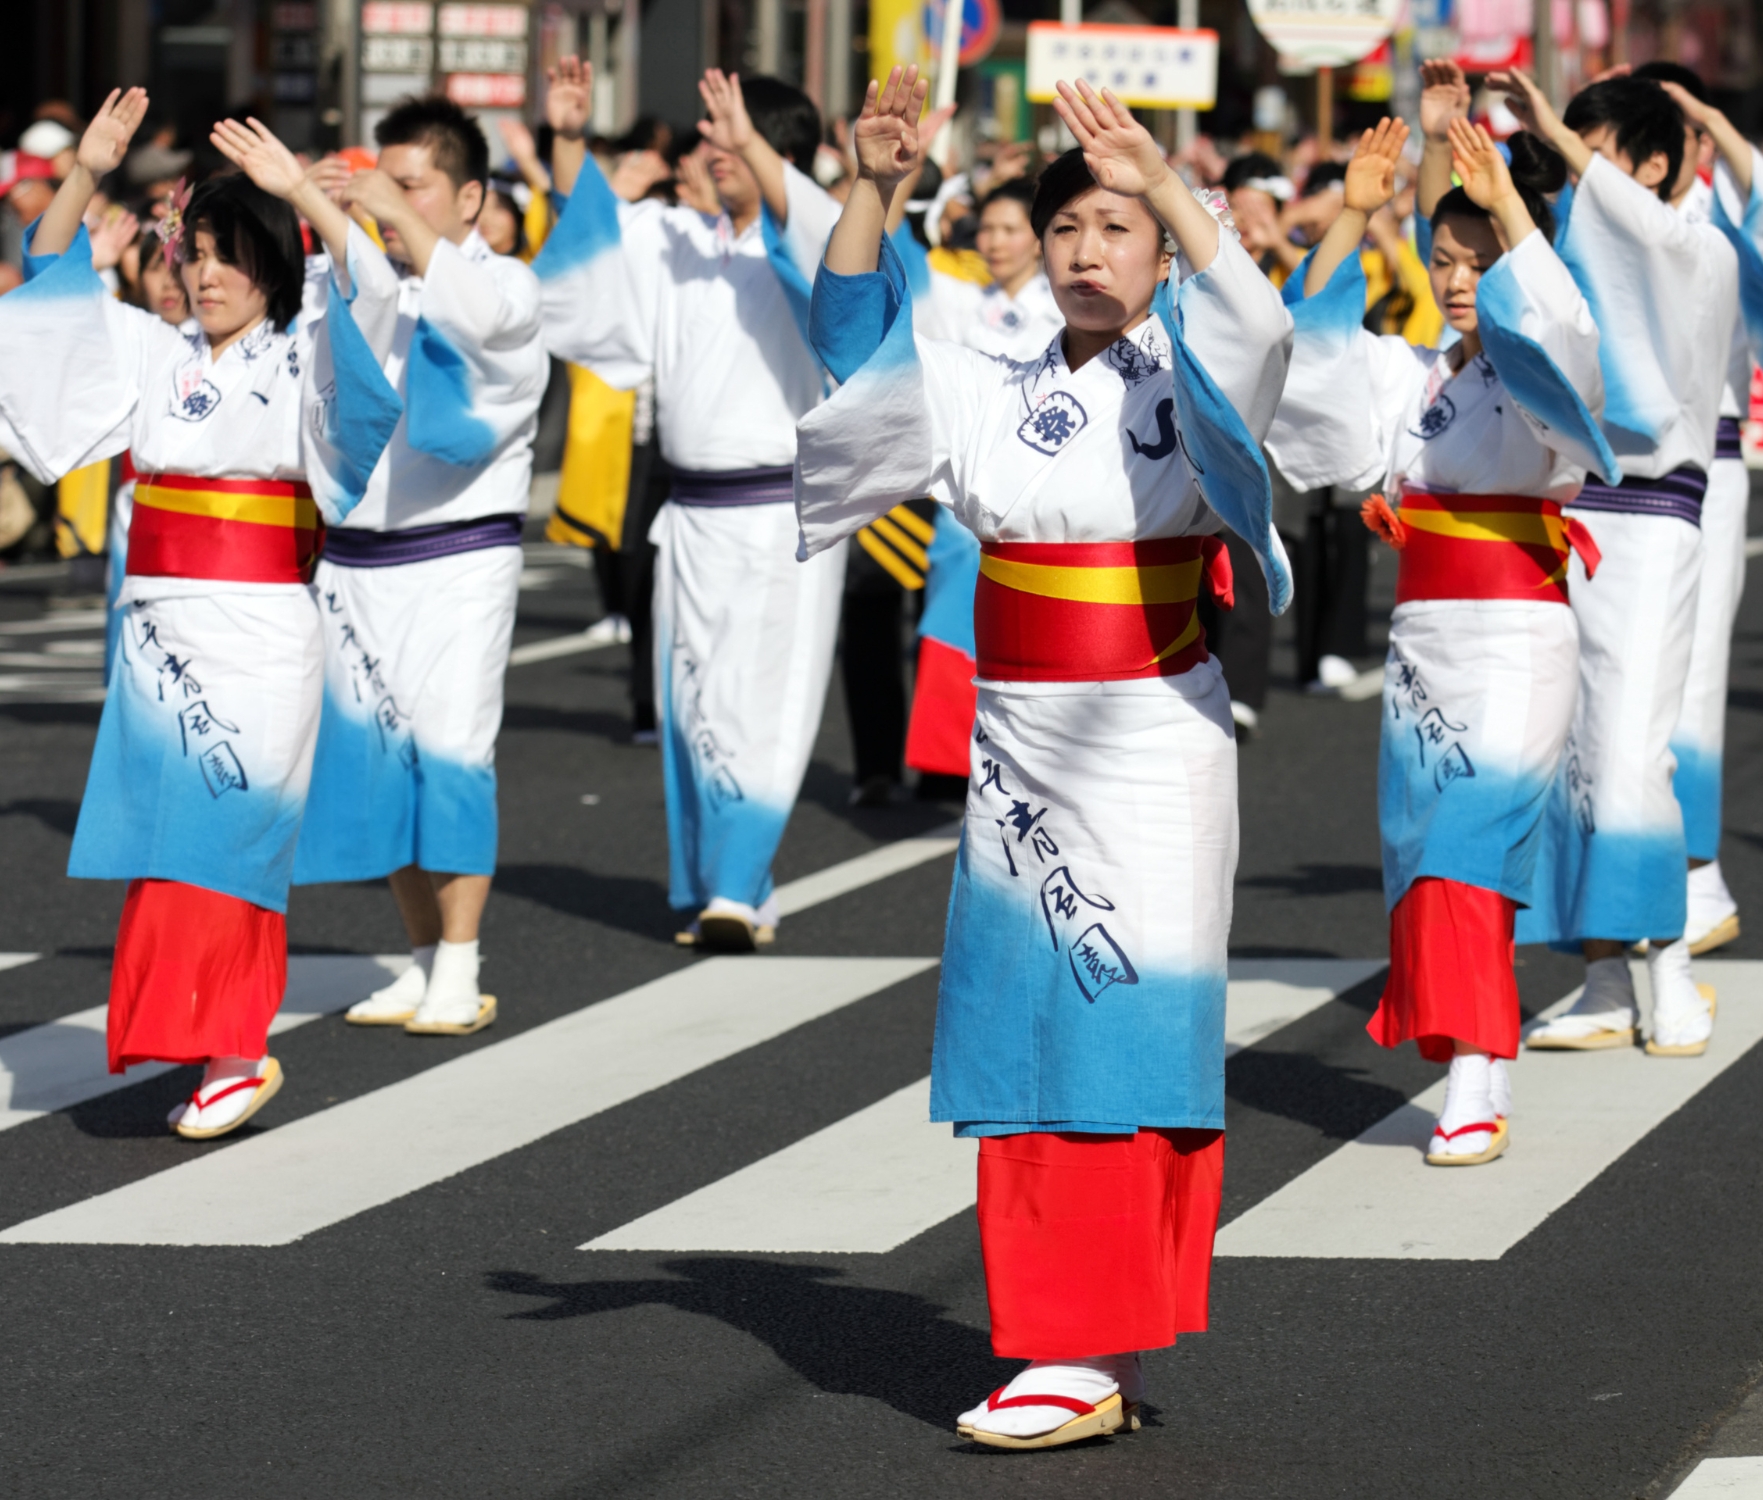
{"type": "Point", "coordinates": [1499, 1088]}
{"type": "Point", "coordinates": [1681, 1016]}
{"type": "Point", "coordinates": [403, 994]}
{"type": "Point", "coordinates": [1469, 1102]}
{"type": "Point", "coordinates": [452, 994]}
{"type": "Point", "coordinates": [1710, 902]}
{"type": "Point", "coordinates": [209, 1112]}
{"type": "Point", "coordinates": [1089, 1380]}
{"type": "Point", "coordinates": [1606, 1004]}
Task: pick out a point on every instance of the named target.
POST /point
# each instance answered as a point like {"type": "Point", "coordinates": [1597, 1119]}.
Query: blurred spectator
{"type": "Point", "coordinates": [52, 141]}
{"type": "Point", "coordinates": [1258, 192]}
{"type": "Point", "coordinates": [152, 172]}
{"type": "Point", "coordinates": [27, 186]}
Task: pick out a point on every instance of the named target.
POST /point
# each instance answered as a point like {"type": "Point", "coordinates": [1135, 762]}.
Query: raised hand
{"type": "Point", "coordinates": [1444, 97]}
{"type": "Point", "coordinates": [1479, 165]}
{"type": "Point", "coordinates": [1524, 99]}
{"type": "Point", "coordinates": [569, 97]}
{"type": "Point", "coordinates": [328, 174]}
{"type": "Point", "coordinates": [695, 187]}
{"type": "Point", "coordinates": [888, 140]}
{"type": "Point", "coordinates": [106, 141]}
{"type": "Point", "coordinates": [729, 127]}
{"type": "Point", "coordinates": [375, 193]}
{"type": "Point", "coordinates": [1371, 174]}
{"type": "Point", "coordinates": [1118, 150]}
{"type": "Point", "coordinates": [636, 172]}
{"type": "Point", "coordinates": [253, 148]}
{"type": "Point", "coordinates": [110, 237]}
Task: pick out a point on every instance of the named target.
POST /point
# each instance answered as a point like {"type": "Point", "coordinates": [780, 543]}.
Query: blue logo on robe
{"type": "Point", "coordinates": [1166, 438]}
{"type": "Point", "coordinates": [197, 404]}
{"type": "Point", "coordinates": [1097, 961]}
{"type": "Point", "coordinates": [1436, 418]}
{"type": "Point", "coordinates": [1053, 424]}
{"type": "Point", "coordinates": [222, 771]}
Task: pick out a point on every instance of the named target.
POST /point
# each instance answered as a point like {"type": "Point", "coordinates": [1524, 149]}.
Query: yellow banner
{"type": "Point", "coordinates": [895, 36]}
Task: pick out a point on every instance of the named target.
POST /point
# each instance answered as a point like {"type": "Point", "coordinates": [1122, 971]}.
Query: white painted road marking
{"type": "Point", "coordinates": [64, 1063]}
{"type": "Point", "coordinates": [275, 1188]}
{"type": "Point", "coordinates": [875, 1179]}
{"type": "Point", "coordinates": [1573, 1115]}
{"type": "Point", "coordinates": [1723, 1479]}
{"type": "Point", "coordinates": [866, 869]}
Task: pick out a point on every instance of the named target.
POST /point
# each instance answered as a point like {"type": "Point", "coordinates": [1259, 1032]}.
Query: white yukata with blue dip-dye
{"type": "Point", "coordinates": [1478, 693]}
{"type": "Point", "coordinates": [1664, 294]}
{"type": "Point", "coordinates": [418, 588]}
{"type": "Point", "coordinates": [1083, 981]}
{"type": "Point", "coordinates": [205, 745]}
{"type": "Point", "coordinates": [1698, 743]}
{"type": "Point", "coordinates": [743, 635]}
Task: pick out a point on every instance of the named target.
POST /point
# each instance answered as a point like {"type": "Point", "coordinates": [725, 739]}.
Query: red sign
{"type": "Point", "coordinates": [483, 20]}
{"type": "Point", "coordinates": [487, 90]}
{"type": "Point", "coordinates": [397, 18]}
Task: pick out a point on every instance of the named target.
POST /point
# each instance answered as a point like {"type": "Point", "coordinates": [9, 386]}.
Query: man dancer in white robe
{"type": "Point", "coordinates": [1664, 293]}
{"type": "Point", "coordinates": [418, 589]}
{"type": "Point", "coordinates": [717, 309]}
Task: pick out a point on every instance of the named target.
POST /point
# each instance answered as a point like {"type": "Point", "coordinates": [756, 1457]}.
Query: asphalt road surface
{"type": "Point", "coordinates": [675, 1227]}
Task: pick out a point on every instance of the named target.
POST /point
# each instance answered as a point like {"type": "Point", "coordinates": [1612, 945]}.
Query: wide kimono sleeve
{"type": "Point", "coordinates": [1539, 334]}
{"type": "Point", "coordinates": [477, 366]}
{"type": "Point", "coordinates": [1633, 256]}
{"type": "Point", "coordinates": [1741, 221]}
{"type": "Point", "coordinates": [1347, 391]}
{"type": "Point", "coordinates": [1231, 338]}
{"type": "Point", "coordinates": [892, 431]}
{"type": "Point", "coordinates": [601, 279]}
{"type": "Point", "coordinates": [348, 408]}
{"type": "Point", "coordinates": [76, 361]}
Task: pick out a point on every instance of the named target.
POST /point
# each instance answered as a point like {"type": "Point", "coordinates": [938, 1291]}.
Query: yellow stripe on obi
{"type": "Point", "coordinates": [1489, 526]}
{"type": "Point", "coordinates": [297, 511]}
{"type": "Point", "coordinates": [1163, 583]}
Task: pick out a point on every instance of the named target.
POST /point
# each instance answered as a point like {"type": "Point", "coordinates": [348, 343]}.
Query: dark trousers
{"type": "Point", "coordinates": [627, 576]}
{"type": "Point", "coordinates": [1332, 570]}
{"type": "Point", "coordinates": [872, 660]}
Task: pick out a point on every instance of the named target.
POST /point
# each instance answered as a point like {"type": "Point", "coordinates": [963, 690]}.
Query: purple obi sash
{"type": "Point", "coordinates": [388, 549]}
{"type": "Point", "coordinates": [1728, 441]}
{"type": "Point", "coordinates": [1677, 494]}
{"type": "Point", "coordinates": [732, 487]}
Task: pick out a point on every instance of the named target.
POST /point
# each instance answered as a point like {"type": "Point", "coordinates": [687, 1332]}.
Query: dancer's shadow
{"type": "Point", "coordinates": [842, 1339]}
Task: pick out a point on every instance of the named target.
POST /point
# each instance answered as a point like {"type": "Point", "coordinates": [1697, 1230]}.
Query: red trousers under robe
{"type": "Point", "coordinates": [197, 975]}
{"type": "Point", "coordinates": [1450, 972]}
{"type": "Point", "coordinates": [1097, 1244]}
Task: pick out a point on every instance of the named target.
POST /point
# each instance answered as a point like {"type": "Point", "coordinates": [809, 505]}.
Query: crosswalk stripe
{"type": "Point", "coordinates": [277, 1187]}
{"type": "Point", "coordinates": [1573, 1115]}
{"type": "Point", "coordinates": [64, 1063]}
{"type": "Point", "coordinates": [14, 960]}
{"type": "Point", "coordinates": [865, 869]}
{"type": "Point", "coordinates": [1723, 1479]}
{"type": "Point", "coordinates": [884, 1174]}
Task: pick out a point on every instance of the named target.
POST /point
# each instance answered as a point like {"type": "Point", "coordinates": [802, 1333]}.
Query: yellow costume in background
{"type": "Point", "coordinates": [82, 511]}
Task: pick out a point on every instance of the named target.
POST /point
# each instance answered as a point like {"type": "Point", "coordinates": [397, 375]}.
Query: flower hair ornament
{"type": "Point", "coordinates": [170, 229]}
{"type": "Point", "coordinates": [1217, 204]}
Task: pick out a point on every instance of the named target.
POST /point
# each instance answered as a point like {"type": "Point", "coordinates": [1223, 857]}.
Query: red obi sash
{"type": "Point", "coordinates": [1480, 546]}
{"type": "Point", "coordinates": [230, 530]}
{"type": "Point", "coordinates": [1093, 611]}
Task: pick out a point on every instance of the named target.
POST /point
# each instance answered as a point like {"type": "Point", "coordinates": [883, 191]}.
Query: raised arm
{"type": "Point", "coordinates": [253, 148]}
{"type": "Point", "coordinates": [1370, 183]}
{"type": "Point", "coordinates": [1538, 116]}
{"type": "Point", "coordinates": [730, 129]}
{"type": "Point", "coordinates": [102, 149]}
{"type": "Point", "coordinates": [886, 140]}
{"type": "Point", "coordinates": [569, 99]}
{"type": "Point", "coordinates": [1734, 149]}
{"type": "Point", "coordinates": [1124, 159]}
{"type": "Point", "coordinates": [1444, 97]}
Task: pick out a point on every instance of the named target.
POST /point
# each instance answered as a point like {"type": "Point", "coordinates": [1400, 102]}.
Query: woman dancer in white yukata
{"type": "Point", "coordinates": [1080, 1026]}
{"type": "Point", "coordinates": [244, 434]}
{"type": "Point", "coordinates": [1482, 444]}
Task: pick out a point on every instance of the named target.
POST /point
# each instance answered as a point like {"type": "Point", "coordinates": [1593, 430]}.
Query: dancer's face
{"type": "Point", "coordinates": [226, 301]}
{"type": "Point", "coordinates": [1007, 242]}
{"type": "Point", "coordinates": [163, 292]}
{"type": "Point", "coordinates": [1105, 257]}
{"type": "Point", "coordinates": [448, 208]}
{"type": "Point", "coordinates": [1462, 250]}
{"type": "Point", "coordinates": [735, 184]}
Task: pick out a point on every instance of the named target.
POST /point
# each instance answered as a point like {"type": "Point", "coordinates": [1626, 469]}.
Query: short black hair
{"type": "Point", "coordinates": [1249, 165]}
{"type": "Point", "coordinates": [1021, 190]}
{"type": "Point", "coordinates": [786, 117]}
{"type": "Point", "coordinates": [1674, 72]}
{"type": "Point", "coordinates": [1324, 174]}
{"type": "Point", "coordinates": [1068, 177]}
{"type": "Point", "coordinates": [455, 138]}
{"type": "Point", "coordinates": [256, 232]}
{"type": "Point", "coordinates": [1537, 170]}
{"type": "Point", "coordinates": [1645, 118]}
